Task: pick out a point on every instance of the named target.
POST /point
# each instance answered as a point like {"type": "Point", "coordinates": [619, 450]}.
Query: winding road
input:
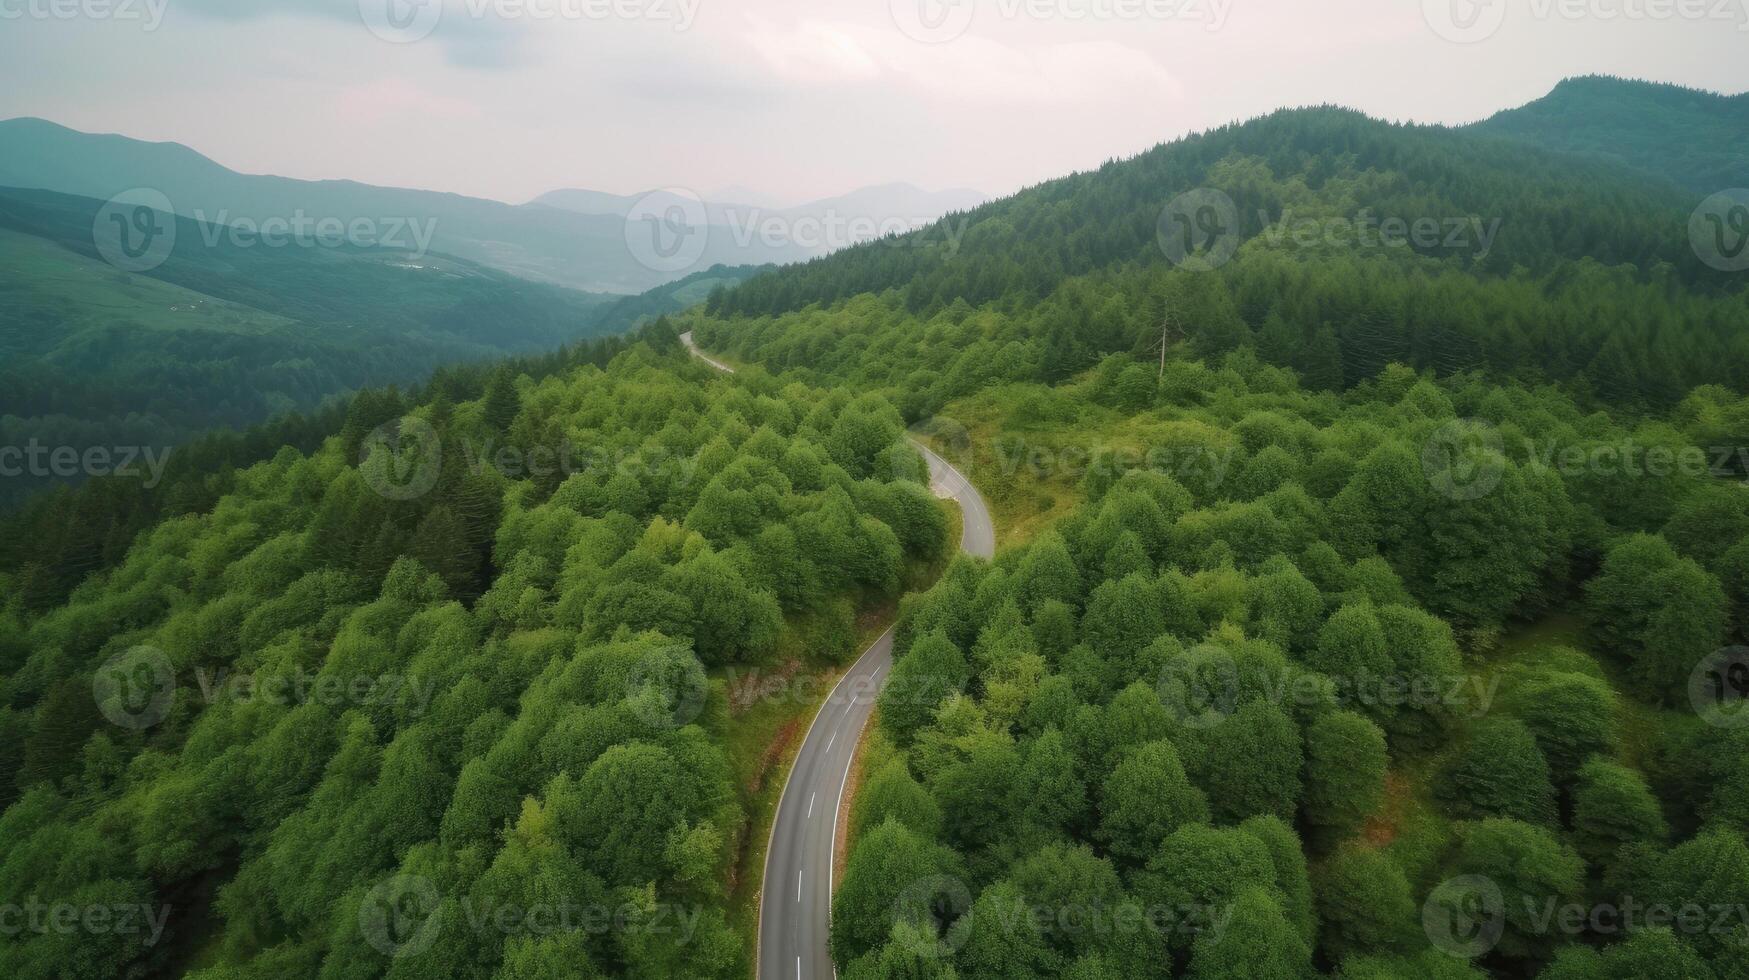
{"type": "Point", "coordinates": [796, 899]}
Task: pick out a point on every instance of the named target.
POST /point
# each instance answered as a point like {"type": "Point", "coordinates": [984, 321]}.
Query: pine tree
{"type": "Point", "coordinates": [503, 402]}
{"type": "Point", "coordinates": [441, 544]}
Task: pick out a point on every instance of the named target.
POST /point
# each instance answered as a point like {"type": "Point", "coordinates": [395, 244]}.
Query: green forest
{"type": "Point", "coordinates": [1180, 697]}
{"type": "Point", "coordinates": [225, 335]}
{"type": "Point", "coordinates": [534, 631]}
{"type": "Point", "coordinates": [1359, 611]}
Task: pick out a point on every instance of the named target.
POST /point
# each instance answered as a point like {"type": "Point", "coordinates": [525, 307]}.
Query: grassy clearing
{"type": "Point", "coordinates": [1638, 722]}
{"type": "Point", "coordinates": [1023, 483]}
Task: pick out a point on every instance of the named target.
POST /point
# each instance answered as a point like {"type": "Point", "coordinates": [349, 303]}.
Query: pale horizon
{"type": "Point", "coordinates": [795, 100]}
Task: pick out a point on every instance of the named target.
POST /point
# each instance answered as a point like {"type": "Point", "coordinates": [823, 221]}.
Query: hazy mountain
{"type": "Point", "coordinates": [748, 195]}
{"type": "Point", "coordinates": [582, 250]}
{"type": "Point", "coordinates": [900, 200]}
{"type": "Point", "coordinates": [818, 227]}
{"type": "Point", "coordinates": [1694, 138]}
{"type": "Point", "coordinates": [225, 334]}
{"type": "Point", "coordinates": [588, 202]}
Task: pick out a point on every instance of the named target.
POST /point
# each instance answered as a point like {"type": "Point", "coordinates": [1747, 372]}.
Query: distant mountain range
{"type": "Point", "coordinates": [886, 205]}
{"type": "Point", "coordinates": [578, 239]}
{"type": "Point", "coordinates": [222, 333]}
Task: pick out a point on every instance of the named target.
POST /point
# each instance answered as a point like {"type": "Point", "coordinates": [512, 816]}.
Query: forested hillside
{"type": "Point", "coordinates": [1257, 673]}
{"type": "Point", "coordinates": [1376, 622]}
{"type": "Point", "coordinates": [632, 311]}
{"type": "Point", "coordinates": [229, 333]}
{"type": "Point", "coordinates": [1303, 163]}
{"type": "Point", "coordinates": [1694, 139]}
{"type": "Point", "coordinates": [456, 651]}
{"type": "Point", "coordinates": [1363, 610]}
{"type": "Point", "coordinates": [1538, 266]}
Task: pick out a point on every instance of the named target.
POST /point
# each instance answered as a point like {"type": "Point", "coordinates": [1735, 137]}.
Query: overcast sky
{"type": "Point", "coordinates": [795, 98]}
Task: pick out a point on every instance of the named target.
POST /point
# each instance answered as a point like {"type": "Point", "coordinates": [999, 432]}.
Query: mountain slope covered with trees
{"type": "Point", "coordinates": [1368, 597]}
{"type": "Point", "coordinates": [228, 333]}
{"type": "Point", "coordinates": [1692, 138]}
{"type": "Point", "coordinates": [1365, 611]}
{"type": "Point", "coordinates": [457, 652]}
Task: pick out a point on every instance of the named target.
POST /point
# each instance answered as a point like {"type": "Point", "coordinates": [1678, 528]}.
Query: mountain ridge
{"type": "Point", "coordinates": [1635, 123]}
{"type": "Point", "coordinates": [587, 252]}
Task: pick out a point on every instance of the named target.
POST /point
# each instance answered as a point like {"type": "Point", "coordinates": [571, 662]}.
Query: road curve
{"type": "Point", "coordinates": [796, 899]}
{"type": "Point", "coordinates": [691, 345]}
{"type": "Point", "coordinates": [797, 896]}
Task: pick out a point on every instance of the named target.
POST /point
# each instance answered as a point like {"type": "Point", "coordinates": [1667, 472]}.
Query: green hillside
{"type": "Point", "coordinates": [540, 726]}
{"type": "Point", "coordinates": [1252, 512]}
{"type": "Point", "coordinates": [1541, 267]}
{"type": "Point", "coordinates": [1692, 138]}
{"type": "Point", "coordinates": [633, 311]}
{"type": "Point", "coordinates": [1293, 164]}
{"type": "Point", "coordinates": [227, 335]}
{"type": "Point", "coordinates": [1361, 610]}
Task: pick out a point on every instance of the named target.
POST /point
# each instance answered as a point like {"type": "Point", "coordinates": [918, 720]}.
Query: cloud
{"type": "Point", "coordinates": [1054, 74]}
{"type": "Point", "coordinates": [471, 34]}
{"type": "Point", "coordinates": [813, 51]}
{"type": "Point", "coordinates": [251, 9]}
{"type": "Point", "coordinates": [969, 69]}
{"type": "Point", "coordinates": [396, 98]}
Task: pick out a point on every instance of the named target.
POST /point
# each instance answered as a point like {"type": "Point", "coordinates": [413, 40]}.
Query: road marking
{"type": "Point", "coordinates": [771, 836]}
{"type": "Point", "coordinates": [798, 885]}
{"type": "Point", "coordinates": [811, 804]}
{"type": "Point", "coordinates": [965, 494]}
{"type": "Point", "coordinates": [836, 810]}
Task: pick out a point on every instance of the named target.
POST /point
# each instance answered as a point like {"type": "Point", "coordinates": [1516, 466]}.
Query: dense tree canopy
{"type": "Point", "coordinates": [476, 664]}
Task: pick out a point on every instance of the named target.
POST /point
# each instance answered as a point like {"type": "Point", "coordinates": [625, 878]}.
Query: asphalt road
{"type": "Point", "coordinates": [797, 898]}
